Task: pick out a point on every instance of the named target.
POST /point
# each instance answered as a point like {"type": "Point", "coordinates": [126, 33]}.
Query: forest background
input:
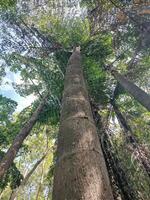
{"type": "Point", "coordinates": [36, 41]}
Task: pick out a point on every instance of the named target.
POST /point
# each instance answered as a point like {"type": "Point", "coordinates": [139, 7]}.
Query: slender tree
{"type": "Point", "coordinates": [26, 178]}
{"type": "Point", "coordinates": [140, 154]}
{"type": "Point", "coordinates": [40, 184]}
{"type": "Point", "coordinates": [132, 89]}
{"type": "Point", "coordinates": [119, 180]}
{"type": "Point", "coordinates": [14, 148]}
{"type": "Point", "coordinates": [80, 171]}
{"type": "Point", "coordinates": [121, 119]}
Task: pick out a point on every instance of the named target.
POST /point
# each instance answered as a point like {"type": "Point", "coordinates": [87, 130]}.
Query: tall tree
{"type": "Point", "coordinates": [80, 167]}
{"type": "Point", "coordinates": [119, 179]}
{"type": "Point", "coordinates": [14, 148]}
{"type": "Point", "coordinates": [135, 147]}
{"type": "Point", "coordinates": [26, 178]}
{"type": "Point", "coordinates": [132, 89]}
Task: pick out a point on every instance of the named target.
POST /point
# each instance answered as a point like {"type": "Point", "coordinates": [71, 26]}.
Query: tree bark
{"type": "Point", "coordinates": [14, 148]}
{"type": "Point", "coordinates": [141, 96]}
{"type": "Point", "coordinates": [80, 171]}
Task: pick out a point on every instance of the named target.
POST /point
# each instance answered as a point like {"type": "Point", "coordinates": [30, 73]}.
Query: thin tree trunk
{"type": "Point", "coordinates": [1, 193]}
{"type": "Point", "coordinates": [40, 184]}
{"type": "Point", "coordinates": [132, 89]}
{"type": "Point", "coordinates": [141, 155]}
{"type": "Point", "coordinates": [136, 52]}
{"type": "Point", "coordinates": [13, 150]}
{"type": "Point", "coordinates": [80, 171]}
{"type": "Point", "coordinates": [121, 119]}
{"type": "Point", "coordinates": [118, 173]}
{"type": "Point", "coordinates": [25, 180]}
{"type": "Point", "coordinates": [118, 177]}
{"type": "Point", "coordinates": [38, 191]}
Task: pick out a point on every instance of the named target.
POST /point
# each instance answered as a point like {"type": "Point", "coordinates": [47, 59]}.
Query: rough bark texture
{"type": "Point", "coordinates": [13, 150]}
{"type": "Point", "coordinates": [132, 89]}
{"type": "Point", "coordinates": [80, 172]}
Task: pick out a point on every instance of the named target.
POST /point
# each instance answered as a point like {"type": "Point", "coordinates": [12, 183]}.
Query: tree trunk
{"type": "Point", "coordinates": [132, 89]}
{"type": "Point", "coordinates": [125, 126]}
{"type": "Point", "coordinates": [40, 184]}
{"type": "Point", "coordinates": [140, 154]}
{"type": "Point", "coordinates": [80, 171]}
{"type": "Point", "coordinates": [13, 150]}
{"type": "Point", "coordinates": [118, 173]}
{"type": "Point", "coordinates": [119, 180]}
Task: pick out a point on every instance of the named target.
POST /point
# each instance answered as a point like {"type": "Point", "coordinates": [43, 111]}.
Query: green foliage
{"type": "Point", "coordinates": [7, 107]}
{"type": "Point", "coordinates": [37, 75]}
{"type": "Point", "coordinates": [87, 3]}
{"type": "Point", "coordinates": [7, 4]}
{"type": "Point", "coordinates": [95, 52]}
{"type": "Point", "coordinates": [98, 48]}
{"type": "Point", "coordinates": [2, 73]}
{"type": "Point", "coordinates": [138, 179]}
{"type": "Point", "coordinates": [96, 81]}
{"type": "Point", "coordinates": [51, 111]}
{"type": "Point", "coordinates": [12, 177]}
{"type": "Point", "coordinates": [62, 58]}
{"type": "Point", "coordinates": [137, 116]}
{"type": "Point", "coordinates": [50, 174]}
{"type": "Point", "coordinates": [42, 71]}
{"type": "Point", "coordinates": [69, 33]}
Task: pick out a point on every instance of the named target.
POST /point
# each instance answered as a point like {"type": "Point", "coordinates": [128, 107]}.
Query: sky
{"type": "Point", "coordinates": [7, 90]}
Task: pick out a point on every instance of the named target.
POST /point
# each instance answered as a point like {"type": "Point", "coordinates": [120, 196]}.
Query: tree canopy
{"type": "Point", "coordinates": [36, 40]}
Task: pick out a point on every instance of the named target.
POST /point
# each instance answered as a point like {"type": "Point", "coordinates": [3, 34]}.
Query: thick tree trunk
{"type": "Point", "coordinates": [141, 155]}
{"type": "Point", "coordinates": [132, 89]}
{"type": "Point", "coordinates": [80, 171]}
{"type": "Point", "coordinates": [13, 150]}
